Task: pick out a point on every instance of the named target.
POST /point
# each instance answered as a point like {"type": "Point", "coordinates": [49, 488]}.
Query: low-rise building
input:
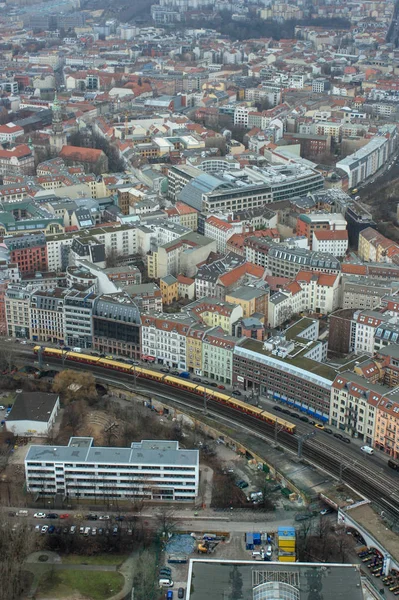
{"type": "Point", "coordinates": [186, 287]}
{"type": "Point", "coordinates": [150, 469]}
{"type": "Point", "coordinates": [251, 299]}
{"type": "Point", "coordinates": [33, 414]}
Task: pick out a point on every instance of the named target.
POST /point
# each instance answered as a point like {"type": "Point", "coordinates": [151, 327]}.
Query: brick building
{"type": "Point", "coordinates": [29, 252]}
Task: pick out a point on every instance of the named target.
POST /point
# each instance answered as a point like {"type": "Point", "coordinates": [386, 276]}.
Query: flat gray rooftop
{"type": "Point", "coordinates": [213, 579]}
{"type": "Point", "coordinates": [147, 452]}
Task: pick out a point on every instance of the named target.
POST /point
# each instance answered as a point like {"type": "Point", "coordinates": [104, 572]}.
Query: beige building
{"type": "Point", "coordinates": [17, 300]}
{"type": "Point", "coordinates": [180, 256]}
{"type": "Point", "coordinates": [353, 405]}
{"type": "Point", "coordinates": [47, 315]}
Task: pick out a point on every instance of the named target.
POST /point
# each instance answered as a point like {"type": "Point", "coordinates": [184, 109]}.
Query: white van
{"type": "Point", "coordinates": [87, 531]}
{"type": "Point", "coordinates": [165, 583]}
{"type": "Point", "coordinates": [22, 513]}
{"type": "Point", "coordinates": [367, 449]}
{"type": "Point", "coordinates": [78, 350]}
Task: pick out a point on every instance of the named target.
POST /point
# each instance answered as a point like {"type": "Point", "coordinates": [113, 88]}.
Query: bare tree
{"type": "Point", "coordinates": [166, 520]}
{"type": "Point", "coordinates": [17, 540]}
{"type": "Point", "coordinates": [73, 385]}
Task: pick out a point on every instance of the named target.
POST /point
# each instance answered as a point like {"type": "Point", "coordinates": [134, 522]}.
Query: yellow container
{"type": "Point", "coordinates": [286, 546]}
{"type": "Point", "coordinates": [286, 558]}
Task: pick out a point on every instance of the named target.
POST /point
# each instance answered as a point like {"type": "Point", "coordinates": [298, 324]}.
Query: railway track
{"type": "Point", "coordinates": [383, 490]}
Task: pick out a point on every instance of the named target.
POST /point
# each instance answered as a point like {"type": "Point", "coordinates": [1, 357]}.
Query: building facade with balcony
{"type": "Point", "coordinates": [150, 469]}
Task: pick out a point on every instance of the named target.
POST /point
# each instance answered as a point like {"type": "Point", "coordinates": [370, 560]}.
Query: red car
{"type": "Point", "coordinates": [64, 516]}
{"type": "Point", "coordinates": [221, 387]}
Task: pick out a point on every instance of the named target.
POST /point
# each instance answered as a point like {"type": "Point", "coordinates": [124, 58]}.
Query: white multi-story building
{"type": "Point", "coordinates": [316, 292]}
{"type": "Point", "coordinates": [370, 158]}
{"type": "Point", "coordinates": [219, 230]}
{"type": "Point", "coordinates": [163, 339]}
{"type": "Point", "coordinates": [241, 116]}
{"type": "Point", "coordinates": [10, 132]}
{"type": "Point", "coordinates": [332, 242]}
{"type": "Point", "coordinates": [150, 469]}
{"type": "Point", "coordinates": [47, 317]}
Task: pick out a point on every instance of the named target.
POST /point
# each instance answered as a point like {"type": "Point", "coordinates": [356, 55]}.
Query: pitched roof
{"type": "Point", "coordinates": [325, 235]}
{"type": "Point", "coordinates": [81, 154]}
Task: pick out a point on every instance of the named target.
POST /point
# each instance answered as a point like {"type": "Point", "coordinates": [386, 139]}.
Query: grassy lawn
{"type": "Point", "coordinates": [99, 559]}
{"type": "Point", "coordinates": [96, 585]}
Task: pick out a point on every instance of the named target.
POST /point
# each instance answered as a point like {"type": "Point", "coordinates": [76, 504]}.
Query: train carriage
{"type": "Point", "coordinates": [115, 365]}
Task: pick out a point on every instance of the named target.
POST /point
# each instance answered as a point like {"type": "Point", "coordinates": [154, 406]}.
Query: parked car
{"type": "Point", "coordinates": [213, 384]}
{"type": "Point", "coordinates": [164, 370]}
{"type": "Point", "coordinates": [37, 528]}
{"type": "Point", "coordinates": [319, 426]}
{"type": "Point", "coordinates": [115, 530]}
{"type": "Point", "coordinates": [58, 530]}
{"type": "Point", "coordinates": [165, 571]}
{"type": "Point", "coordinates": [347, 440]}
{"type": "Point", "coordinates": [339, 436]}
{"type": "Point", "coordinates": [92, 517]}
{"type": "Point", "coordinates": [327, 430]}
{"type": "Point", "coordinates": [39, 515]}
{"type": "Point", "coordinates": [104, 517]}
{"type": "Point", "coordinates": [52, 516]}
{"type": "Point", "coordinates": [45, 529]}
{"type": "Point", "coordinates": [100, 531]}
{"type": "Point", "coordinates": [65, 530]}
{"type": "Point", "coordinates": [51, 529]}
{"type": "Point", "coordinates": [72, 529]}
{"type": "Point", "coordinates": [175, 372]}
{"type": "Point", "coordinates": [326, 511]}
{"type": "Point", "coordinates": [94, 531]}
{"type": "Point", "coordinates": [120, 518]}
{"type": "Point", "coordinates": [277, 408]}
{"type": "Point", "coordinates": [304, 419]}
{"type": "Point", "coordinates": [236, 393]}
{"type": "Point", "coordinates": [64, 516]}
{"type": "Point", "coordinates": [221, 387]}
{"type": "Point", "coordinates": [180, 593]}
{"type": "Point", "coordinates": [197, 379]}
{"type": "Point", "coordinates": [81, 530]}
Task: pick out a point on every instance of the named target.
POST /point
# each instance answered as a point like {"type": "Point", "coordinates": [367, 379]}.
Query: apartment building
{"type": "Point", "coordinates": [364, 328]}
{"type": "Point", "coordinates": [163, 339]}
{"type": "Point", "coordinates": [283, 371]}
{"type": "Point", "coordinates": [180, 256]}
{"type": "Point", "coordinates": [29, 252]}
{"type": "Point", "coordinates": [183, 215]}
{"type": "Point", "coordinates": [214, 313]}
{"type": "Point", "coordinates": [194, 339]}
{"type": "Point", "coordinates": [150, 469]}
{"type": "Point", "coordinates": [353, 406]}
{"type": "Point", "coordinates": [17, 308]}
{"type": "Point", "coordinates": [370, 158]}
{"type": "Point", "coordinates": [308, 224]}
{"type": "Point", "coordinates": [251, 299]}
{"type": "Point", "coordinates": [375, 247]}
{"type": "Point", "coordinates": [10, 132]}
{"type": "Point", "coordinates": [116, 325]}
{"type": "Point", "coordinates": [365, 293]}
{"type": "Point", "coordinates": [217, 355]}
{"type": "Point", "coordinates": [220, 231]}
{"type": "Point", "coordinates": [18, 160]}
{"type": "Point", "coordinates": [47, 318]}
{"type": "Point", "coordinates": [331, 242]}
{"type": "Point", "coordinates": [286, 261]}
{"type": "Point", "coordinates": [147, 297]}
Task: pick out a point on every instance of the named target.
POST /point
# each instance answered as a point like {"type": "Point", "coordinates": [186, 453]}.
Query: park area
{"type": "Point", "coordinates": [77, 577]}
